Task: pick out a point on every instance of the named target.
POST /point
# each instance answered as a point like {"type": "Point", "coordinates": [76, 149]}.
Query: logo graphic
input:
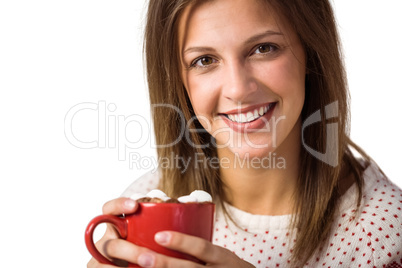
{"type": "Point", "coordinates": [330, 156]}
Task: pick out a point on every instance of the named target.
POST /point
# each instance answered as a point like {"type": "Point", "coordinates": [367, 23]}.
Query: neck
{"type": "Point", "coordinates": [265, 189]}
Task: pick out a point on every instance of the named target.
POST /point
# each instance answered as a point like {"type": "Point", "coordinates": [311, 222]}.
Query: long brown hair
{"type": "Point", "coordinates": [318, 184]}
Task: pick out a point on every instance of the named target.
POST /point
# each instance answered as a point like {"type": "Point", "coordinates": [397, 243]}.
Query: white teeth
{"type": "Point", "coordinates": [250, 116]}
{"type": "Point", "coordinates": [242, 118]}
{"type": "Point", "coordinates": [261, 111]}
{"type": "Point", "coordinates": [256, 115]}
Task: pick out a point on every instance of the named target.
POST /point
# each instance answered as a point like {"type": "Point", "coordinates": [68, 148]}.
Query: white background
{"type": "Point", "coordinates": [57, 54]}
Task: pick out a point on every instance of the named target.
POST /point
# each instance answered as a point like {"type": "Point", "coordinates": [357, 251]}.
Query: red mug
{"type": "Point", "coordinates": [194, 219]}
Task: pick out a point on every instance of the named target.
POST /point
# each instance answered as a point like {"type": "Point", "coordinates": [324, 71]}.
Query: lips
{"type": "Point", "coordinates": [249, 114]}
{"type": "Point", "coordinates": [249, 119]}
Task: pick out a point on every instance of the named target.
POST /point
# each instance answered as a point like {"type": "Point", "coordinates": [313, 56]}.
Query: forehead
{"type": "Point", "coordinates": [207, 20]}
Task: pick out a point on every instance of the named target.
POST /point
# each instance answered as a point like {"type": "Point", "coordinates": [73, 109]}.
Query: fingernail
{"type": "Point", "coordinates": [146, 260]}
{"type": "Point", "coordinates": [162, 237]}
{"type": "Point", "coordinates": [129, 204]}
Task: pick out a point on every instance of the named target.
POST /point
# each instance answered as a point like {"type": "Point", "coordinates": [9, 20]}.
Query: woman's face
{"type": "Point", "coordinates": [244, 70]}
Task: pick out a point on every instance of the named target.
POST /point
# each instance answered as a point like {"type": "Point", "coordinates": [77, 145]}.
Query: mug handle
{"type": "Point", "coordinates": [119, 223]}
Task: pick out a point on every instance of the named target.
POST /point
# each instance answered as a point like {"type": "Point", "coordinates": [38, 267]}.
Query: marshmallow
{"type": "Point", "coordinates": [187, 199]}
{"type": "Point", "coordinates": [195, 196]}
{"type": "Point", "coordinates": [201, 196]}
{"type": "Point", "coordinates": [165, 198]}
{"type": "Point", "coordinates": [157, 194]}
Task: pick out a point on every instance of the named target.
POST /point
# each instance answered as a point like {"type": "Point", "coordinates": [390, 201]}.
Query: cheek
{"type": "Point", "coordinates": [204, 96]}
{"type": "Point", "coordinates": [286, 78]}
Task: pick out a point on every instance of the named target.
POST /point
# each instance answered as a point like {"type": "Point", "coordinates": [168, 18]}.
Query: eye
{"type": "Point", "coordinates": [203, 62]}
{"type": "Point", "coordinates": [265, 48]}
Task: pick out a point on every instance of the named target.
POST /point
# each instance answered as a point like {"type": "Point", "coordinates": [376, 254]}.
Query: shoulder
{"type": "Point", "coordinates": [377, 223]}
{"type": "Point", "coordinates": [143, 184]}
{"type": "Point", "coordinates": [381, 200]}
{"type": "Point", "coordinates": [381, 216]}
{"type": "Point", "coordinates": [378, 194]}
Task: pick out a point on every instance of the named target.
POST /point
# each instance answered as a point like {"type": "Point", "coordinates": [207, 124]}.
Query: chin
{"type": "Point", "coordinates": [265, 158]}
{"type": "Point", "coordinates": [251, 152]}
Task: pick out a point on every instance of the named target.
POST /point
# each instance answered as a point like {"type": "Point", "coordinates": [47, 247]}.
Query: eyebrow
{"type": "Point", "coordinates": [250, 40]}
{"type": "Point", "coordinates": [257, 37]}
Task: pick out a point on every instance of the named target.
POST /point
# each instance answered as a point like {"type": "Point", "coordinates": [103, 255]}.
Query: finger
{"type": "Point", "coordinates": [93, 263]}
{"type": "Point", "coordinates": [100, 246]}
{"type": "Point", "coordinates": [124, 250]}
{"type": "Point", "coordinates": [192, 245]}
{"type": "Point", "coordinates": [110, 234]}
{"type": "Point", "coordinates": [120, 206]}
{"type": "Point", "coordinates": [151, 260]}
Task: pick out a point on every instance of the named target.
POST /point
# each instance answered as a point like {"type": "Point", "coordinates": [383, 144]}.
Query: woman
{"type": "Point", "coordinates": [262, 88]}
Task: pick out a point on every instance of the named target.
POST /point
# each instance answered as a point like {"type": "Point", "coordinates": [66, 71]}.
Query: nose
{"type": "Point", "coordinates": [239, 84]}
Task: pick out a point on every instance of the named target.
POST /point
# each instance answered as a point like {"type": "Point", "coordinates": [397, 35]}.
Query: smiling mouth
{"type": "Point", "coordinates": [250, 116]}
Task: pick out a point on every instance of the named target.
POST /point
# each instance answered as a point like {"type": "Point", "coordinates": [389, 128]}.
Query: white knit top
{"type": "Point", "coordinates": [368, 237]}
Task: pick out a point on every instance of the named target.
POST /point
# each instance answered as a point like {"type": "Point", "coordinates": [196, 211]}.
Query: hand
{"type": "Point", "coordinates": [212, 255]}
{"type": "Point", "coordinates": [110, 245]}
